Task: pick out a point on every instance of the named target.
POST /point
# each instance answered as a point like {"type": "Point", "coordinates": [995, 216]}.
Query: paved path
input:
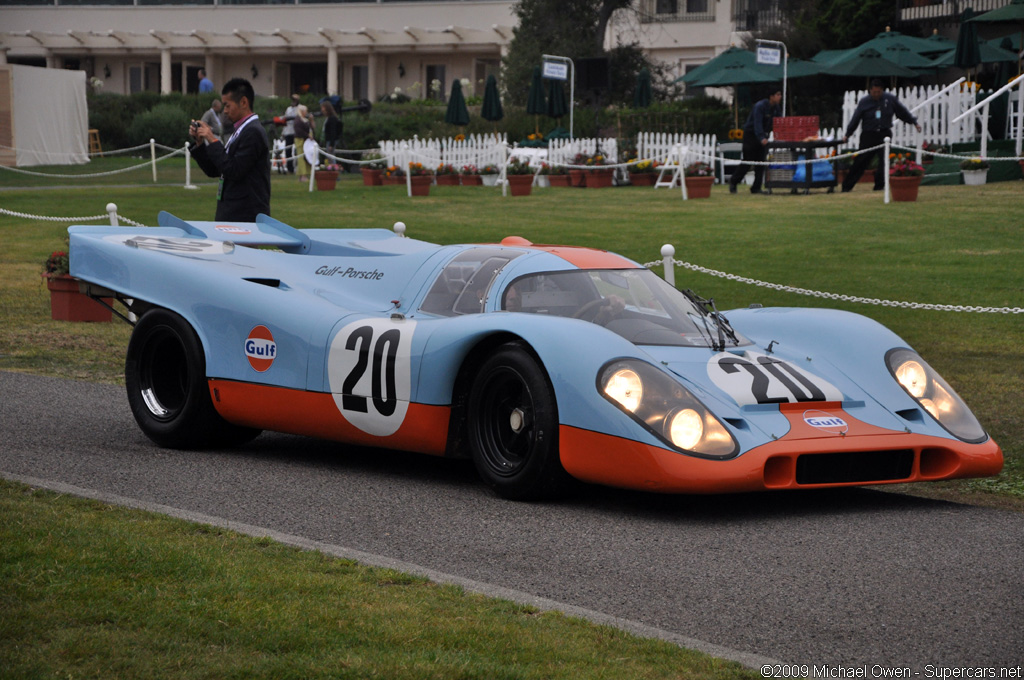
{"type": "Point", "coordinates": [851, 578]}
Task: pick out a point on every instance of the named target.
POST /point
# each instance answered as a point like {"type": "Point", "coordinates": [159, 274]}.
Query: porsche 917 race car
{"type": "Point", "coordinates": [541, 363]}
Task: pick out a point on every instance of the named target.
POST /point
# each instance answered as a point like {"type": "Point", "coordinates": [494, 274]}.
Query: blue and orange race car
{"type": "Point", "coordinates": [541, 363]}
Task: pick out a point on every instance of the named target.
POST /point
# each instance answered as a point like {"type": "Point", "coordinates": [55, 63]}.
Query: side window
{"type": "Point", "coordinates": [463, 285]}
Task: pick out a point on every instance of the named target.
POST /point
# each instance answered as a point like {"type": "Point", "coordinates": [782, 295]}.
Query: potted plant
{"type": "Point", "coordinates": [543, 175]}
{"type": "Point", "coordinates": [905, 178]}
{"type": "Point", "coordinates": [699, 176]}
{"type": "Point", "coordinates": [372, 169]}
{"type": "Point", "coordinates": [974, 170]}
{"type": "Point", "coordinates": [558, 176]}
{"type": "Point", "coordinates": [470, 176]}
{"type": "Point", "coordinates": [929, 150]}
{"type": "Point", "coordinates": [599, 176]}
{"type": "Point", "coordinates": [642, 174]}
{"type": "Point", "coordinates": [447, 174]}
{"type": "Point", "coordinates": [67, 302]}
{"type": "Point", "coordinates": [577, 174]}
{"type": "Point", "coordinates": [520, 177]}
{"type": "Point", "coordinates": [420, 179]}
{"type": "Point", "coordinates": [489, 174]}
{"type": "Point", "coordinates": [393, 175]}
{"type": "Point", "coordinates": [326, 177]}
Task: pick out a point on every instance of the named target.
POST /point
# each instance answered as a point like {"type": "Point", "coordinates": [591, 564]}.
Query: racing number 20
{"type": "Point", "coordinates": [382, 372]}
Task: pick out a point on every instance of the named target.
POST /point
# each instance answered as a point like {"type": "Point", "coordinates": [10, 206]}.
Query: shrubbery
{"type": "Point", "coordinates": [166, 123]}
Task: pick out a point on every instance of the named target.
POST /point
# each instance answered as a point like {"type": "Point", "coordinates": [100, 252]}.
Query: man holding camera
{"type": "Point", "coordinates": [242, 162]}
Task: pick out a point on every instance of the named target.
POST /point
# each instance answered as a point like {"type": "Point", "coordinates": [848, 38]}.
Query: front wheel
{"type": "Point", "coordinates": [513, 427]}
{"type": "Point", "coordinates": [165, 375]}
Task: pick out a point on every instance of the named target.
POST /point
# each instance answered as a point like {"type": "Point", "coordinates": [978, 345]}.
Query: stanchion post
{"type": "Point", "coordinates": [188, 169]}
{"type": "Point", "coordinates": [399, 229]}
{"type": "Point", "coordinates": [885, 167]}
{"type": "Point", "coordinates": [112, 211]}
{"type": "Point", "coordinates": [668, 252]}
{"type": "Point", "coordinates": [408, 169]}
{"type": "Point", "coordinates": [152, 157]}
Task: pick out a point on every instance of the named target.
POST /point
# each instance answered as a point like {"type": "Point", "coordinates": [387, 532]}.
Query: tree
{"type": "Point", "coordinates": [810, 26]}
{"type": "Point", "coordinates": [574, 29]}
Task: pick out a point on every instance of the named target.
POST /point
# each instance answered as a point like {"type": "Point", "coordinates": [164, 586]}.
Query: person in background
{"type": "Point", "coordinates": [205, 84]}
{"type": "Point", "coordinates": [289, 132]}
{"type": "Point", "coordinates": [243, 163]}
{"type": "Point", "coordinates": [304, 130]}
{"type": "Point", "coordinates": [874, 114]}
{"type": "Point", "coordinates": [332, 127]}
{"type": "Point", "coordinates": [756, 131]}
{"type": "Point", "coordinates": [212, 118]}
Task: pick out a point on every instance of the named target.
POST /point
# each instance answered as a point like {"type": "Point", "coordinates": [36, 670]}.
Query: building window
{"type": "Point", "coordinates": [436, 83]}
{"type": "Point", "coordinates": [666, 6]}
{"type": "Point", "coordinates": [696, 6]}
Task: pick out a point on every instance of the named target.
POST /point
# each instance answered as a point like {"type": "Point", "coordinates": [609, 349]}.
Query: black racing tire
{"type": "Point", "coordinates": [168, 392]}
{"type": "Point", "coordinates": [512, 422]}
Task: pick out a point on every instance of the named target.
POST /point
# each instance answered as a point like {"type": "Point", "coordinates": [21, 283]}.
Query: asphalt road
{"type": "Point", "coordinates": [839, 579]}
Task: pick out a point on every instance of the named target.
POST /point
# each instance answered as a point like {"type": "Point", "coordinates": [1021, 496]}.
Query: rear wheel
{"type": "Point", "coordinates": [513, 427]}
{"type": "Point", "coordinates": [165, 375]}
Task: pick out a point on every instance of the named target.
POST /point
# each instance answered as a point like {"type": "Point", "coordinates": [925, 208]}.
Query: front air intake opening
{"type": "Point", "coordinates": [854, 466]}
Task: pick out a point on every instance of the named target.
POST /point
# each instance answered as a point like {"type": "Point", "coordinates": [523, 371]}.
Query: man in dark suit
{"type": "Point", "coordinates": [242, 162]}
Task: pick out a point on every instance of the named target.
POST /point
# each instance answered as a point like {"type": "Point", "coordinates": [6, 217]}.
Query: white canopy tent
{"type": "Point", "coordinates": [44, 118]}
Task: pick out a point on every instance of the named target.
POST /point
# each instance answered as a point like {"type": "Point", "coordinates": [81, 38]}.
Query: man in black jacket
{"type": "Point", "coordinates": [242, 162]}
{"type": "Point", "coordinates": [874, 114]}
{"type": "Point", "coordinates": [756, 131]}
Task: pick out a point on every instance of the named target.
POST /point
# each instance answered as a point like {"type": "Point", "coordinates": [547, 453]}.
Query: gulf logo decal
{"type": "Point", "coordinates": [753, 378]}
{"type": "Point", "coordinates": [369, 368]}
{"type": "Point", "coordinates": [227, 229]}
{"type": "Point", "coordinates": [260, 348]}
{"type": "Point", "coordinates": [826, 422]}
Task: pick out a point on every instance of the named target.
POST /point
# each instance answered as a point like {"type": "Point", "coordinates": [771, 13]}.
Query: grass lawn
{"type": "Point", "coordinates": [956, 245]}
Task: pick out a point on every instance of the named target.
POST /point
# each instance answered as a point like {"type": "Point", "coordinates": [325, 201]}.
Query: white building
{"type": "Point", "coordinates": [356, 48]}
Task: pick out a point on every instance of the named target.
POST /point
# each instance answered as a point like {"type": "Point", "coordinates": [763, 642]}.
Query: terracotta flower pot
{"type": "Point", "coordinates": [326, 180]}
{"type": "Point", "coordinates": [471, 181]}
{"type": "Point", "coordinates": [559, 180]}
{"type": "Point", "coordinates": [642, 179]}
{"type": "Point", "coordinates": [599, 179]}
{"type": "Point", "coordinates": [392, 179]}
{"type": "Point", "coordinates": [68, 304]}
{"type": "Point", "coordinates": [904, 188]}
{"type": "Point", "coordinates": [577, 178]}
{"type": "Point", "coordinates": [420, 185]}
{"type": "Point", "coordinates": [371, 178]}
{"type": "Point", "coordinates": [448, 180]}
{"type": "Point", "coordinates": [520, 185]}
{"type": "Point", "coordinates": [699, 187]}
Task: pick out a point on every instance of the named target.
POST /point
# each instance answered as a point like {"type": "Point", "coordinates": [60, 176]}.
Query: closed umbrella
{"type": "Point", "coordinates": [491, 109]}
{"type": "Point", "coordinates": [556, 107]}
{"type": "Point", "coordinates": [967, 54]}
{"type": "Point", "coordinates": [1007, 14]}
{"type": "Point", "coordinates": [535, 103]}
{"type": "Point", "coordinates": [457, 113]}
{"type": "Point", "coordinates": [642, 96]}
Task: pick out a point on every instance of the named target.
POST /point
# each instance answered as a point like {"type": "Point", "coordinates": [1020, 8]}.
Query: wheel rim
{"type": "Point", "coordinates": [163, 375]}
{"type": "Point", "coordinates": [506, 422]}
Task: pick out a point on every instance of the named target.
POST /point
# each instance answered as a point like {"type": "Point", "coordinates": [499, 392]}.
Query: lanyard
{"type": "Point", "coordinates": [239, 129]}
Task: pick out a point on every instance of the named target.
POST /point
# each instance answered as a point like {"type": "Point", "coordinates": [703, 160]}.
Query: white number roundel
{"type": "Point", "coordinates": [754, 378]}
{"type": "Point", "coordinates": [369, 368]}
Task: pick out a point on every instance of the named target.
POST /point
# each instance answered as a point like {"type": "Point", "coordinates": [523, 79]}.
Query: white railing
{"type": "Point", "coordinates": [938, 108]}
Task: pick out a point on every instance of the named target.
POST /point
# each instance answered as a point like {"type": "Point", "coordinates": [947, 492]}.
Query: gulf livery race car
{"type": "Point", "coordinates": [541, 363]}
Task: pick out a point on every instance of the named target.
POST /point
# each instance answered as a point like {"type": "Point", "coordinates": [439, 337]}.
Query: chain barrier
{"type": "Point", "coordinates": [838, 296]}
{"type": "Point", "coordinates": [110, 215]}
{"type": "Point", "coordinates": [176, 152]}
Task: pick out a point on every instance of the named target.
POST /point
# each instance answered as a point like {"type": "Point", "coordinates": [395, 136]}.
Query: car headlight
{"type": "Point", "coordinates": [665, 408]}
{"type": "Point", "coordinates": [934, 394]}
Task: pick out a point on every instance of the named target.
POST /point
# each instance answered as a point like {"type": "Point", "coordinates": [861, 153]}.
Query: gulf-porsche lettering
{"type": "Point", "coordinates": [753, 378]}
{"type": "Point", "coordinates": [369, 367]}
{"type": "Point", "coordinates": [350, 273]}
{"type": "Point", "coordinates": [260, 348]}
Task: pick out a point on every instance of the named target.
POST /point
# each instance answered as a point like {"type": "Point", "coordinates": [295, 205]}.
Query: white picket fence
{"type": "Point", "coordinates": [478, 150]}
{"type": "Point", "coordinates": [657, 145]}
{"type": "Point", "coordinates": [564, 151]}
{"type": "Point", "coordinates": [935, 117]}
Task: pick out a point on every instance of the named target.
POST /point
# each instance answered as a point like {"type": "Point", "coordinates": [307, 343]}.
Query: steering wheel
{"type": "Point", "coordinates": [591, 306]}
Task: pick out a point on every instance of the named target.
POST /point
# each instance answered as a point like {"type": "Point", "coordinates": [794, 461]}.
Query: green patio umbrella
{"type": "Point", "coordinates": [802, 68]}
{"type": "Point", "coordinates": [732, 67]}
{"type": "Point", "coordinates": [491, 108]}
{"type": "Point", "coordinates": [1012, 14]}
{"type": "Point", "coordinates": [889, 39]}
{"type": "Point", "coordinates": [990, 54]}
{"type": "Point", "coordinates": [457, 113]}
{"type": "Point", "coordinates": [942, 43]}
{"type": "Point", "coordinates": [556, 107]}
{"type": "Point", "coordinates": [967, 54]}
{"type": "Point", "coordinates": [642, 96]}
{"type": "Point", "coordinates": [866, 63]}
{"type": "Point", "coordinates": [535, 103]}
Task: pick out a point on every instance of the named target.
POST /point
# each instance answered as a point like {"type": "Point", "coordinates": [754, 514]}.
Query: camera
{"type": "Point", "coordinates": [195, 126]}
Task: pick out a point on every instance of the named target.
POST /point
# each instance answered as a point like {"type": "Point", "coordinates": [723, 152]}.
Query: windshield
{"type": "Point", "coordinates": [634, 303]}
